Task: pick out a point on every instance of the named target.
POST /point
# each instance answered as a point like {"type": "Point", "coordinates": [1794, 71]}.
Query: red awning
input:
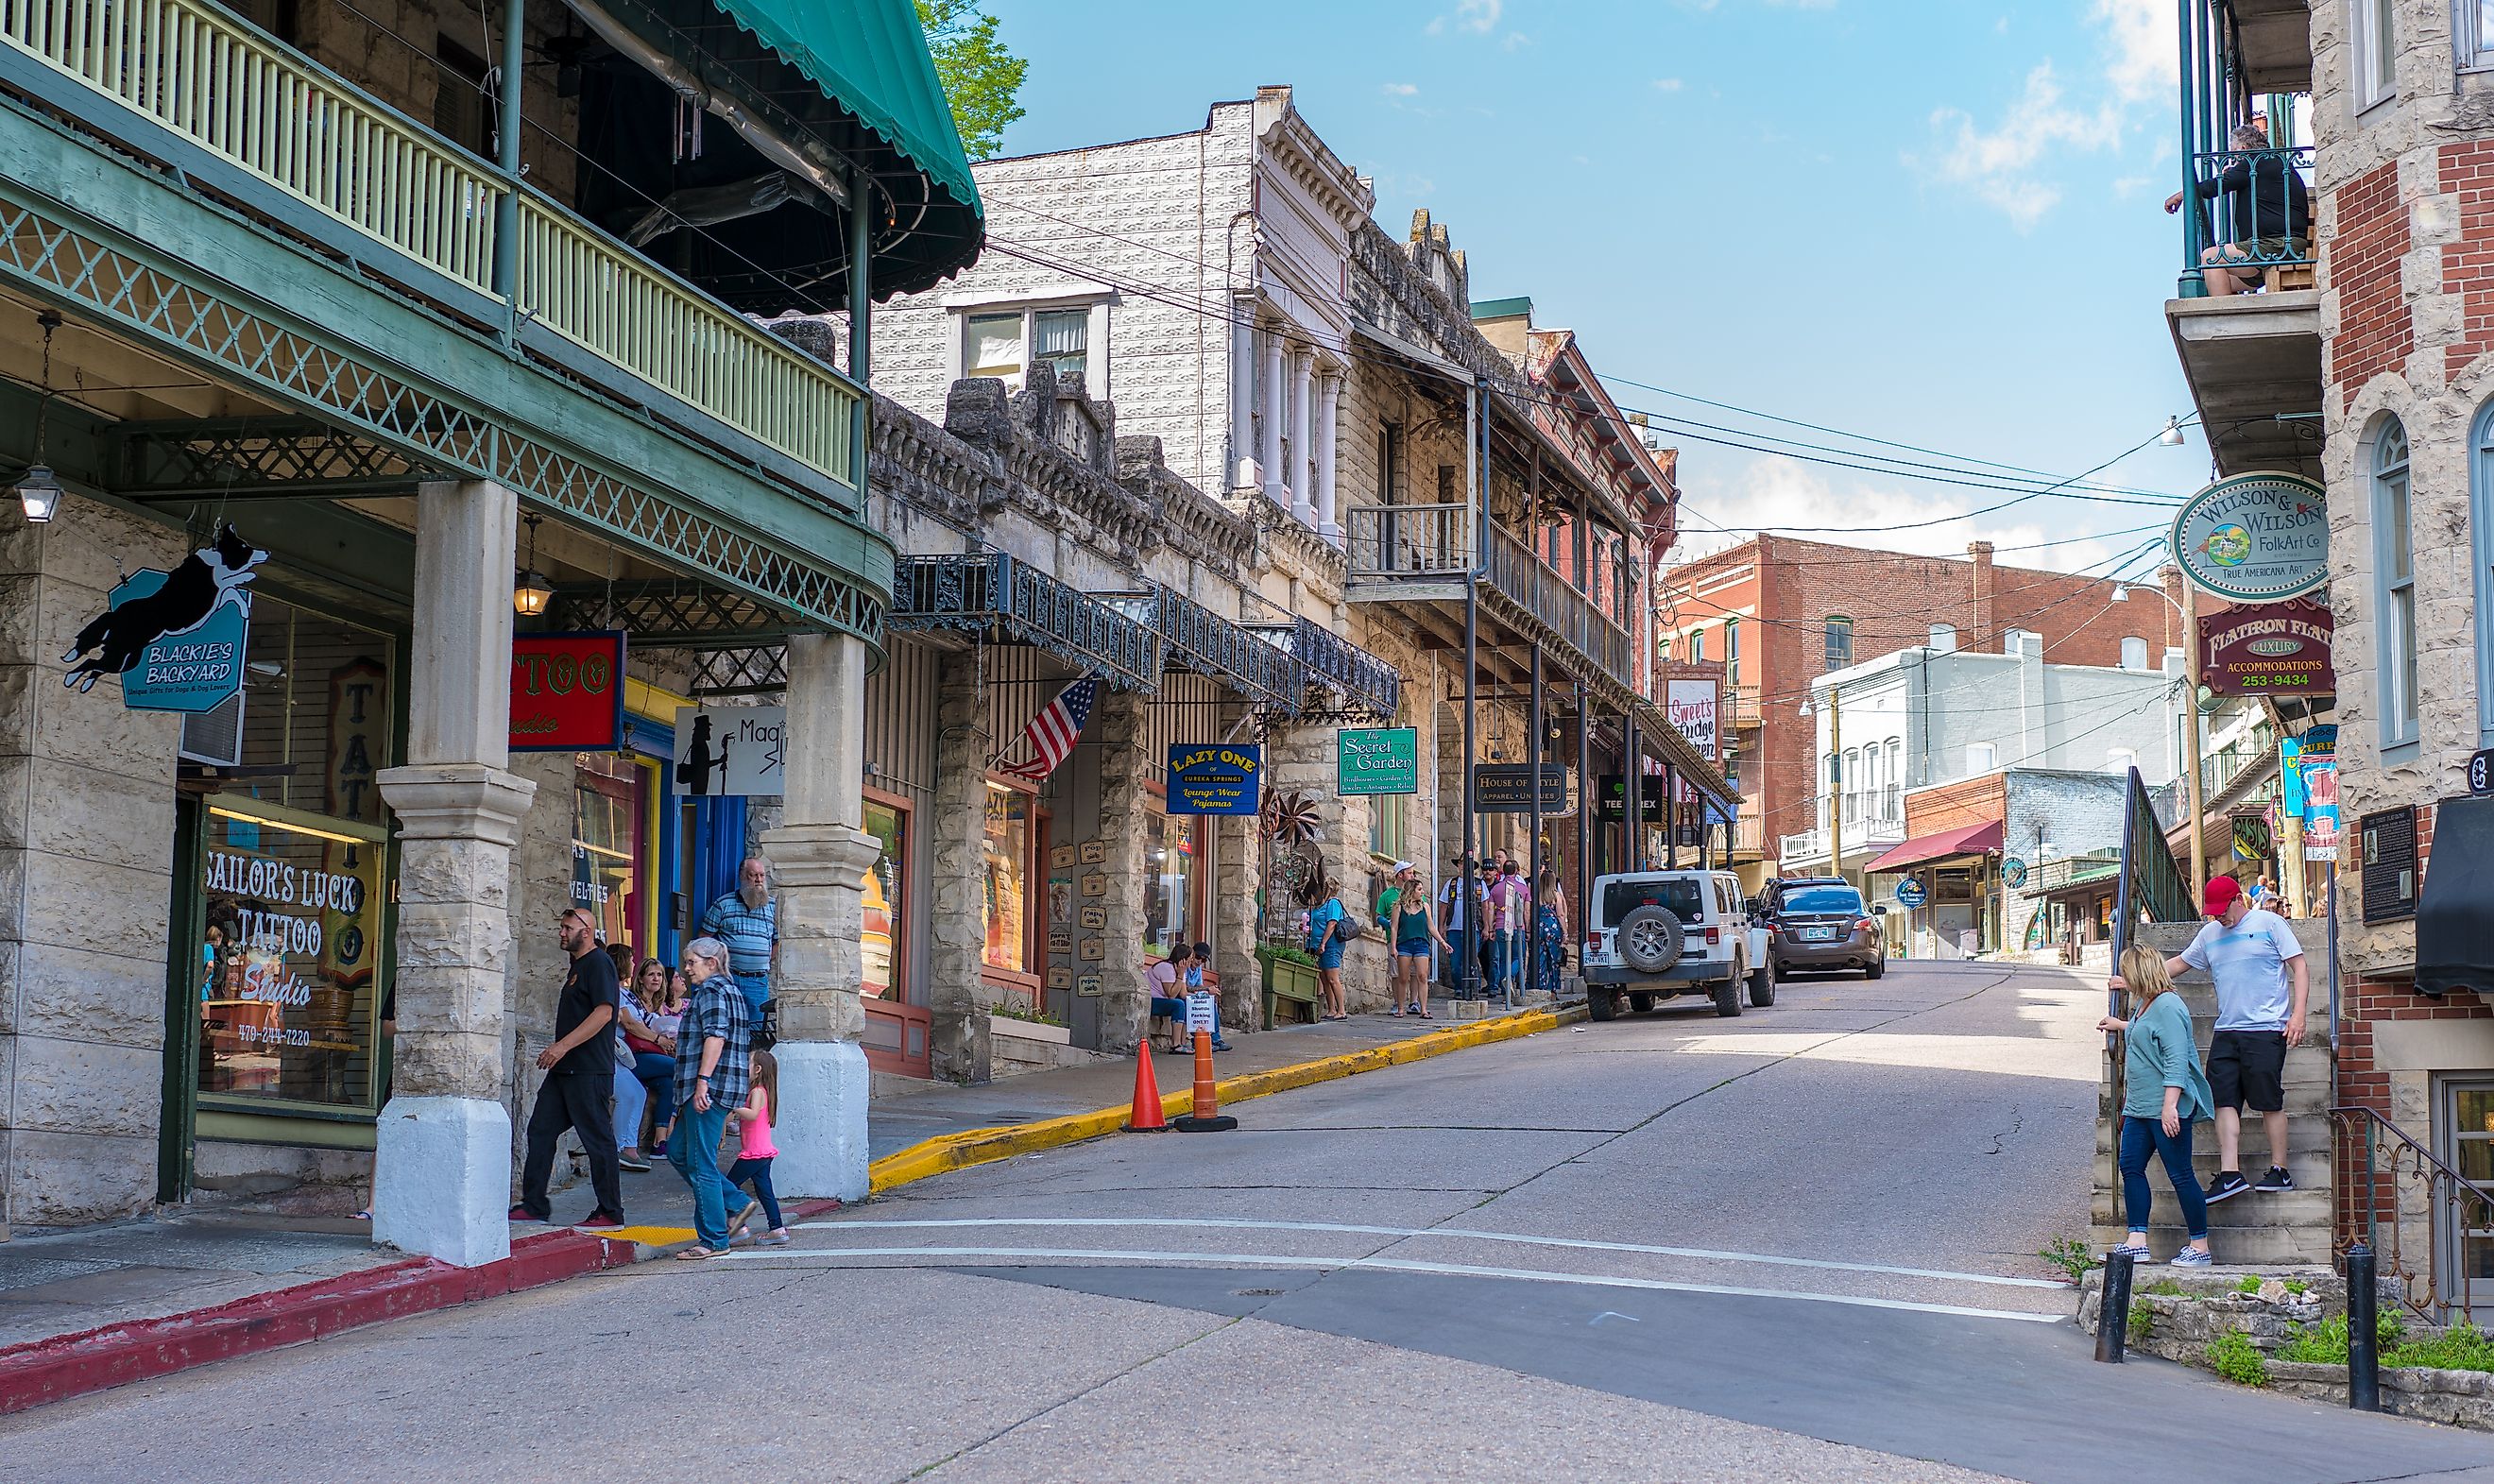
{"type": "Point", "coordinates": [1971, 840]}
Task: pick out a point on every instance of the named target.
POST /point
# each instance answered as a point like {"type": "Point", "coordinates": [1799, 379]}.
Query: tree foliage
{"type": "Point", "coordinates": [981, 75]}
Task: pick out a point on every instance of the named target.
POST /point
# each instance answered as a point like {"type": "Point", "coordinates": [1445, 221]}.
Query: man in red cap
{"type": "Point", "coordinates": [2262, 989]}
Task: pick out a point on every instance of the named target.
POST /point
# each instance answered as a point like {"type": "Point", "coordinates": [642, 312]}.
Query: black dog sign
{"type": "Point", "coordinates": [177, 638]}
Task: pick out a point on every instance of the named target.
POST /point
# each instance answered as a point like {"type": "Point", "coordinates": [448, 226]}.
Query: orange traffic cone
{"type": "Point", "coordinates": [1206, 1116]}
{"type": "Point", "coordinates": [1146, 1117]}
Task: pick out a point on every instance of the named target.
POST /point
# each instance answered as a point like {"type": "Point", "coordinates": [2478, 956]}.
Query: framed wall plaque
{"type": "Point", "coordinates": [1094, 918]}
{"type": "Point", "coordinates": [1087, 984]}
{"type": "Point", "coordinates": [1060, 976]}
{"type": "Point", "coordinates": [1092, 950]}
{"type": "Point", "coordinates": [1096, 884]}
{"type": "Point", "coordinates": [1093, 852]}
{"type": "Point", "coordinates": [1061, 858]}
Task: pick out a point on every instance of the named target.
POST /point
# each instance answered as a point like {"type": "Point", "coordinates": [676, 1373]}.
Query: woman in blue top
{"type": "Point", "coordinates": [2163, 1091]}
{"type": "Point", "coordinates": [1325, 941]}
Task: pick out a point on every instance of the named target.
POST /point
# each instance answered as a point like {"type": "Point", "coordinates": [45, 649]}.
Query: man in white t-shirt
{"type": "Point", "coordinates": [2262, 989]}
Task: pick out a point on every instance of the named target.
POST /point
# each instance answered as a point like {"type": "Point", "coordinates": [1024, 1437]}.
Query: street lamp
{"type": "Point", "coordinates": [2172, 437]}
{"type": "Point", "coordinates": [2190, 727]}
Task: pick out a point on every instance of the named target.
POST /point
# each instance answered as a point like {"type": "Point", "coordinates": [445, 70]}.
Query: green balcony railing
{"type": "Point", "coordinates": [211, 78]}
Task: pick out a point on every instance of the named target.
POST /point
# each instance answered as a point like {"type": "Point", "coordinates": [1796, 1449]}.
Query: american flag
{"type": "Point", "coordinates": [1051, 736]}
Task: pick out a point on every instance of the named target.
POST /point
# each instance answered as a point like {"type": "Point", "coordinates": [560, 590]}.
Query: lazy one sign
{"type": "Point", "coordinates": [176, 638]}
{"type": "Point", "coordinates": [568, 693]}
{"type": "Point", "coordinates": [729, 751]}
{"type": "Point", "coordinates": [2255, 538]}
{"type": "Point", "coordinates": [1211, 779]}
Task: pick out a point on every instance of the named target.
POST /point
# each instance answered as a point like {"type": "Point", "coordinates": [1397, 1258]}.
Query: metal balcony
{"type": "Point", "coordinates": [1426, 553]}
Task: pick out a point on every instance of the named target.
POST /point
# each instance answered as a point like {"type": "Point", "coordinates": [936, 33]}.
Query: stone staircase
{"type": "Point", "coordinates": [2253, 1228]}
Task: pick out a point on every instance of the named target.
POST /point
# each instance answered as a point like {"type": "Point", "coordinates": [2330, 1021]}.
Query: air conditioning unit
{"type": "Point", "coordinates": [214, 737]}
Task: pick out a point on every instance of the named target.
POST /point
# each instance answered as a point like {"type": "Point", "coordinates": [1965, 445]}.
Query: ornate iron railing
{"type": "Point", "coordinates": [1195, 638]}
{"type": "Point", "coordinates": [1364, 683]}
{"type": "Point", "coordinates": [1000, 598]}
{"type": "Point", "coordinates": [2223, 230]}
{"type": "Point", "coordinates": [212, 80]}
{"type": "Point", "coordinates": [2417, 1213]}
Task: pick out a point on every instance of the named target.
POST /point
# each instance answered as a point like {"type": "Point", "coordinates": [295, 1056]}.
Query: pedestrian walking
{"type": "Point", "coordinates": [1165, 985]}
{"type": "Point", "coordinates": [754, 1152]}
{"type": "Point", "coordinates": [714, 1074]}
{"type": "Point", "coordinates": [748, 920]}
{"type": "Point", "coordinates": [2263, 990]}
{"type": "Point", "coordinates": [580, 1080]}
{"type": "Point", "coordinates": [2163, 1091]}
{"type": "Point", "coordinates": [1413, 929]}
{"type": "Point", "coordinates": [1550, 927]}
{"type": "Point", "coordinates": [1511, 906]}
{"type": "Point", "coordinates": [1195, 987]}
{"type": "Point", "coordinates": [1327, 941]}
{"type": "Point", "coordinates": [1463, 892]}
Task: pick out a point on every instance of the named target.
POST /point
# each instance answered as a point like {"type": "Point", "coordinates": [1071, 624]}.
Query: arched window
{"type": "Point", "coordinates": [2134, 654]}
{"type": "Point", "coordinates": [2394, 585]}
{"type": "Point", "coordinates": [2480, 511]}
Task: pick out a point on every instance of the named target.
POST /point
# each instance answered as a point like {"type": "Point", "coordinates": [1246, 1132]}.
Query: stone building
{"type": "Point", "coordinates": [305, 464]}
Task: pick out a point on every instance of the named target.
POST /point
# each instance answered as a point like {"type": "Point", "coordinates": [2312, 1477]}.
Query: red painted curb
{"type": "Point", "coordinates": [64, 1366]}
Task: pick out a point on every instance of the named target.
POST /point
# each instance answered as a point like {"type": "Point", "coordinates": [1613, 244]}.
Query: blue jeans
{"type": "Point", "coordinates": [759, 1172]}
{"type": "Point", "coordinates": [656, 1070]}
{"type": "Point", "coordinates": [631, 1099]}
{"type": "Point", "coordinates": [693, 1150]}
{"type": "Point", "coordinates": [2138, 1136]}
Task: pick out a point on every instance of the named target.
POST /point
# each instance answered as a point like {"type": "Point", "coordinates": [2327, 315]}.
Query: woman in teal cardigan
{"type": "Point", "coordinates": [2163, 1091]}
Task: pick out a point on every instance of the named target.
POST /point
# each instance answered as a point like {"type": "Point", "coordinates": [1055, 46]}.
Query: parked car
{"type": "Point", "coordinates": [1821, 922]}
{"type": "Point", "coordinates": [1650, 935]}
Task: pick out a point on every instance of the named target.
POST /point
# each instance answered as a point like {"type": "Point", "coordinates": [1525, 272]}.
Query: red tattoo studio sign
{"type": "Point", "coordinates": [2268, 649]}
{"type": "Point", "coordinates": [568, 693]}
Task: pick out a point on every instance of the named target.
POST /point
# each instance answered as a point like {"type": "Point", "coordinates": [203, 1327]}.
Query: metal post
{"type": "Point", "coordinates": [2112, 1309]}
{"type": "Point", "coordinates": [507, 156]}
{"type": "Point", "coordinates": [1584, 805]}
{"type": "Point", "coordinates": [861, 319]}
{"type": "Point", "coordinates": [1632, 782]}
{"type": "Point", "coordinates": [2191, 286]}
{"type": "Point", "coordinates": [2363, 1332]}
{"type": "Point", "coordinates": [1670, 817]}
{"type": "Point", "coordinates": [1467, 960]}
{"type": "Point", "coordinates": [1537, 753]}
{"type": "Point", "coordinates": [1835, 791]}
{"type": "Point", "coordinates": [2191, 745]}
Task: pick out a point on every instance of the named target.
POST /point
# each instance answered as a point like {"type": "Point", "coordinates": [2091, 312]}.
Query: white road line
{"type": "Point", "coordinates": [834, 1257]}
{"type": "Point", "coordinates": [1230, 1224]}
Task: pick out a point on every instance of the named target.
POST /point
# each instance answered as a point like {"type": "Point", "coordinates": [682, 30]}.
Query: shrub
{"type": "Point", "coordinates": [2233, 1356]}
{"type": "Point", "coordinates": [2248, 1283]}
{"type": "Point", "coordinates": [2463, 1347]}
{"type": "Point", "coordinates": [2142, 1319]}
{"type": "Point", "coordinates": [2297, 1286]}
{"type": "Point", "coordinates": [2326, 1343]}
{"type": "Point", "coordinates": [2071, 1256]}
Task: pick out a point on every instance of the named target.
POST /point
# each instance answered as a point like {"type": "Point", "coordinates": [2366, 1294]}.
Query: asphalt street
{"type": "Point", "coordinates": [1795, 1244]}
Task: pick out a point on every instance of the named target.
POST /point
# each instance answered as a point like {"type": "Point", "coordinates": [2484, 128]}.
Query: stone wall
{"type": "Point", "coordinates": [87, 860]}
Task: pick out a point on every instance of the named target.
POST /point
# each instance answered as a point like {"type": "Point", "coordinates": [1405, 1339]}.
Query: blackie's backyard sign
{"type": "Point", "coordinates": [177, 638]}
{"type": "Point", "coordinates": [2269, 649]}
{"type": "Point", "coordinates": [2255, 538]}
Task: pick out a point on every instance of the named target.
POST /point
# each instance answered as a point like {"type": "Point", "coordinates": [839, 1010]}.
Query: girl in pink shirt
{"type": "Point", "coordinates": [754, 1152]}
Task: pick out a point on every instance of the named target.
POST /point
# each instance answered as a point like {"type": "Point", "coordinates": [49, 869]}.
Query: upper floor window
{"type": "Point", "coordinates": [1732, 650]}
{"type": "Point", "coordinates": [2394, 585]}
{"type": "Point", "coordinates": [1007, 342]}
{"type": "Point", "coordinates": [2134, 654]}
{"type": "Point", "coordinates": [1981, 757]}
{"type": "Point", "coordinates": [2374, 35]}
{"type": "Point", "coordinates": [2474, 38]}
{"type": "Point", "coordinates": [1944, 637]}
{"type": "Point", "coordinates": [1697, 645]}
{"type": "Point", "coordinates": [2480, 501]}
{"type": "Point", "coordinates": [1840, 641]}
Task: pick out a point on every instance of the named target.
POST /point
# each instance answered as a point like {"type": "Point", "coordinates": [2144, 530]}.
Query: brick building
{"type": "Point", "coordinates": [1779, 612]}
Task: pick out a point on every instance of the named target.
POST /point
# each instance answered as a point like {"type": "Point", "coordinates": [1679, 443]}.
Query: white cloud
{"type": "Point", "coordinates": [2145, 64]}
{"type": "Point", "coordinates": [1667, 84]}
{"type": "Point", "coordinates": [1400, 89]}
{"type": "Point", "coordinates": [1514, 40]}
{"type": "Point", "coordinates": [2001, 166]}
{"type": "Point", "coordinates": [1782, 492]}
{"type": "Point", "coordinates": [1479, 17]}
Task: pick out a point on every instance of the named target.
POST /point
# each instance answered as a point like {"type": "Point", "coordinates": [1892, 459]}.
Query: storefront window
{"type": "Point", "coordinates": [609, 835]}
{"type": "Point", "coordinates": [887, 882]}
{"type": "Point", "coordinates": [1005, 866]}
{"type": "Point", "coordinates": [1167, 916]}
{"type": "Point", "coordinates": [287, 971]}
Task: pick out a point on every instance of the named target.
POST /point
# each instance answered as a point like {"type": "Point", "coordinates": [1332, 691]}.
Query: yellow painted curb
{"type": "Point", "coordinates": [948, 1152]}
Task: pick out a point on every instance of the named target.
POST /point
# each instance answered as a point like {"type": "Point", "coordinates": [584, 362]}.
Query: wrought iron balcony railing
{"type": "Point", "coordinates": [1536, 587]}
{"type": "Point", "coordinates": [1195, 638]}
{"type": "Point", "coordinates": [995, 595]}
{"type": "Point", "coordinates": [1409, 541]}
{"type": "Point", "coordinates": [2248, 212]}
{"type": "Point", "coordinates": [197, 72]}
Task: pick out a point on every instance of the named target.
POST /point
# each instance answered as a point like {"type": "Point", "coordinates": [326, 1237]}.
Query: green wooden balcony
{"type": "Point", "coordinates": [307, 153]}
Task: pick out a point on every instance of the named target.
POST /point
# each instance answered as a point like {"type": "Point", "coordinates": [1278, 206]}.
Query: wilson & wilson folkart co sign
{"type": "Point", "coordinates": [2255, 538]}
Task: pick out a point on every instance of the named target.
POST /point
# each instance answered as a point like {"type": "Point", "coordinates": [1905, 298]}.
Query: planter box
{"type": "Point", "coordinates": [1291, 991]}
{"type": "Point", "coordinates": [1030, 1030]}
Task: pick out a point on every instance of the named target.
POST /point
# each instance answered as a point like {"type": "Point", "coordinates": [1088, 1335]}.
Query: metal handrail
{"type": "Point", "coordinates": [2229, 222]}
{"type": "Point", "coordinates": [1409, 540]}
{"type": "Point", "coordinates": [1536, 586]}
{"type": "Point", "coordinates": [2395, 1164]}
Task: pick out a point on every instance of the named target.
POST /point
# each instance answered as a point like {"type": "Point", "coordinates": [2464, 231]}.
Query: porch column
{"type": "Point", "coordinates": [442, 1158]}
{"type": "Point", "coordinates": [1328, 409]}
{"type": "Point", "coordinates": [820, 858]}
{"type": "Point", "coordinates": [1238, 864]}
{"type": "Point", "coordinates": [1242, 401]}
{"type": "Point", "coordinates": [1125, 827]}
{"type": "Point", "coordinates": [1302, 374]}
{"type": "Point", "coordinates": [1268, 444]}
{"type": "Point", "coordinates": [959, 1047]}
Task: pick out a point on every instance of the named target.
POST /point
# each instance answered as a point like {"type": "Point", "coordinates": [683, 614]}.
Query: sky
{"type": "Point", "coordinates": [1935, 222]}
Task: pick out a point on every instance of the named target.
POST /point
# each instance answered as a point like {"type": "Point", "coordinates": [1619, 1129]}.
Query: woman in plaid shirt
{"type": "Point", "coordinates": [714, 1049]}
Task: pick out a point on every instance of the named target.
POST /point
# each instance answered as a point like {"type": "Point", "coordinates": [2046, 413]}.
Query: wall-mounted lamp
{"type": "Point", "coordinates": [39, 494]}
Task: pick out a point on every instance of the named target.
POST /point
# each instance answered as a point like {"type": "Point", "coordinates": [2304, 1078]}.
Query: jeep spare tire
{"type": "Point", "coordinates": [1651, 939]}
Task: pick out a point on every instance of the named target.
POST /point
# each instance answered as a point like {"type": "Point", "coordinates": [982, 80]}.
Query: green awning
{"type": "Point", "coordinates": [869, 57]}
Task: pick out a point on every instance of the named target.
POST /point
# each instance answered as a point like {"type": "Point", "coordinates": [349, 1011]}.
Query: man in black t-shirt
{"type": "Point", "coordinates": [2265, 213]}
{"type": "Point", "coordinates": [580, 1077]}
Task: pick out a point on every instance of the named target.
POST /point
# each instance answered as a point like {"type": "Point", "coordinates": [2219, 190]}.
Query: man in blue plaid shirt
{"type": "Point", "coordinates": [714, 1072]}
{"type": "Point", "coordinates": [748, 920]}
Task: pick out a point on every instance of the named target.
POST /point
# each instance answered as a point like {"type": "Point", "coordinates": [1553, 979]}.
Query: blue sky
{"type": "Point", "coordinates": [1932, 220]}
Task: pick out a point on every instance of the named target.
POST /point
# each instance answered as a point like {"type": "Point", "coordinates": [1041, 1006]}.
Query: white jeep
{"type": "Point", "coordinates": [1653, 934]}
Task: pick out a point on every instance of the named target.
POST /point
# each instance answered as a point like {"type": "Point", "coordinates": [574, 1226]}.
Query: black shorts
{"type": "Point", "coordinates": [2247, 1069]}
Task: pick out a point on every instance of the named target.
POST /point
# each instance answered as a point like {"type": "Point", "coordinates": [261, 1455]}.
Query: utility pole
{"type": "Point", "coordinates": [1836, 793]}
{"type": "Point", "coordinates": [2191, 742]}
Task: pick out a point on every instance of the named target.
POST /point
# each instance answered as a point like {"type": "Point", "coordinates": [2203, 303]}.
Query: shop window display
{"type": "Point", "coordinates": [887, 884]}
{"type": "Point", "coordinates": [1004, 852]}
{"type": "Point", "coordinates": [610, 856]}
{"type": "Point", "coordinates": [1168, 904]}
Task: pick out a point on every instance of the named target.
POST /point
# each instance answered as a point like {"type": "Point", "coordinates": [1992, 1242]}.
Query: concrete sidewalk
{"type": "Point", "coordinates": [173, 1265]}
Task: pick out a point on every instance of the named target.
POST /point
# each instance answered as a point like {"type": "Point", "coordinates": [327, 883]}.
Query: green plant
{"type": "Point", "coordinates": [1280, 952]}
{"type": "Point", "coordinates": [2070, 1256]}
{"type": "Point", "coordinates": [2463, 1347]}
{"type": "Point", "coordinates": [2248, 1284]}
{"type": "Point", "coordinates": [2325, 1344]}
{"type": "Point", "coordinates": [1026, 1014]}
{"type": "Point", "coordinates": [2297, 1286]}
{"type": "Point", "coordinates": [2233, 1356]}
{"type": "Point", "coordinates": [2142, 1319]}
{"type": "Point", "coordinates": [2164, 1288]}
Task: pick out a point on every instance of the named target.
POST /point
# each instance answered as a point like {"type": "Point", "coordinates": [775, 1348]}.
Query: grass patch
{"type": "Point", "coordinates": [2233, 1356]}
{"type": "Point", "coordinates": [2325, 1344]}
{"type": "Point", "coordinates": [2071, 1256]}
{"type": "Point", "coordinates": [2460, 1348]}
{"type": "Point", "coordinates": [2142, 1319]}
{"type": "Point", "coordinates": [2248, 1283]}
{"type": "Point", "coordinates": [2297, 1286]}
{"type": "Point", "coordinates": [2164, 1288]}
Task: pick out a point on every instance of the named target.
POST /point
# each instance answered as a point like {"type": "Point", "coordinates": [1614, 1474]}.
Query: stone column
{"type": "Point", "coordinates": [1328, 410]}
{"type": "Point", "coordinates": [1237, 866]}
{"type": "Point", "coordinates": [442, 1162]}
{"type": "Point", "coordinates": [1268, 444]}
{"type": "Point", "coordinates": [820, 859]}
{"type": "Point", "coordinates": [1302, 374]}
{"type": "Point", "coordinates": [1242, 401]}
{"type": "Point", "coordinates": [1125, 825]}
{"type": "Point", "coordinates": [959, 1049]}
